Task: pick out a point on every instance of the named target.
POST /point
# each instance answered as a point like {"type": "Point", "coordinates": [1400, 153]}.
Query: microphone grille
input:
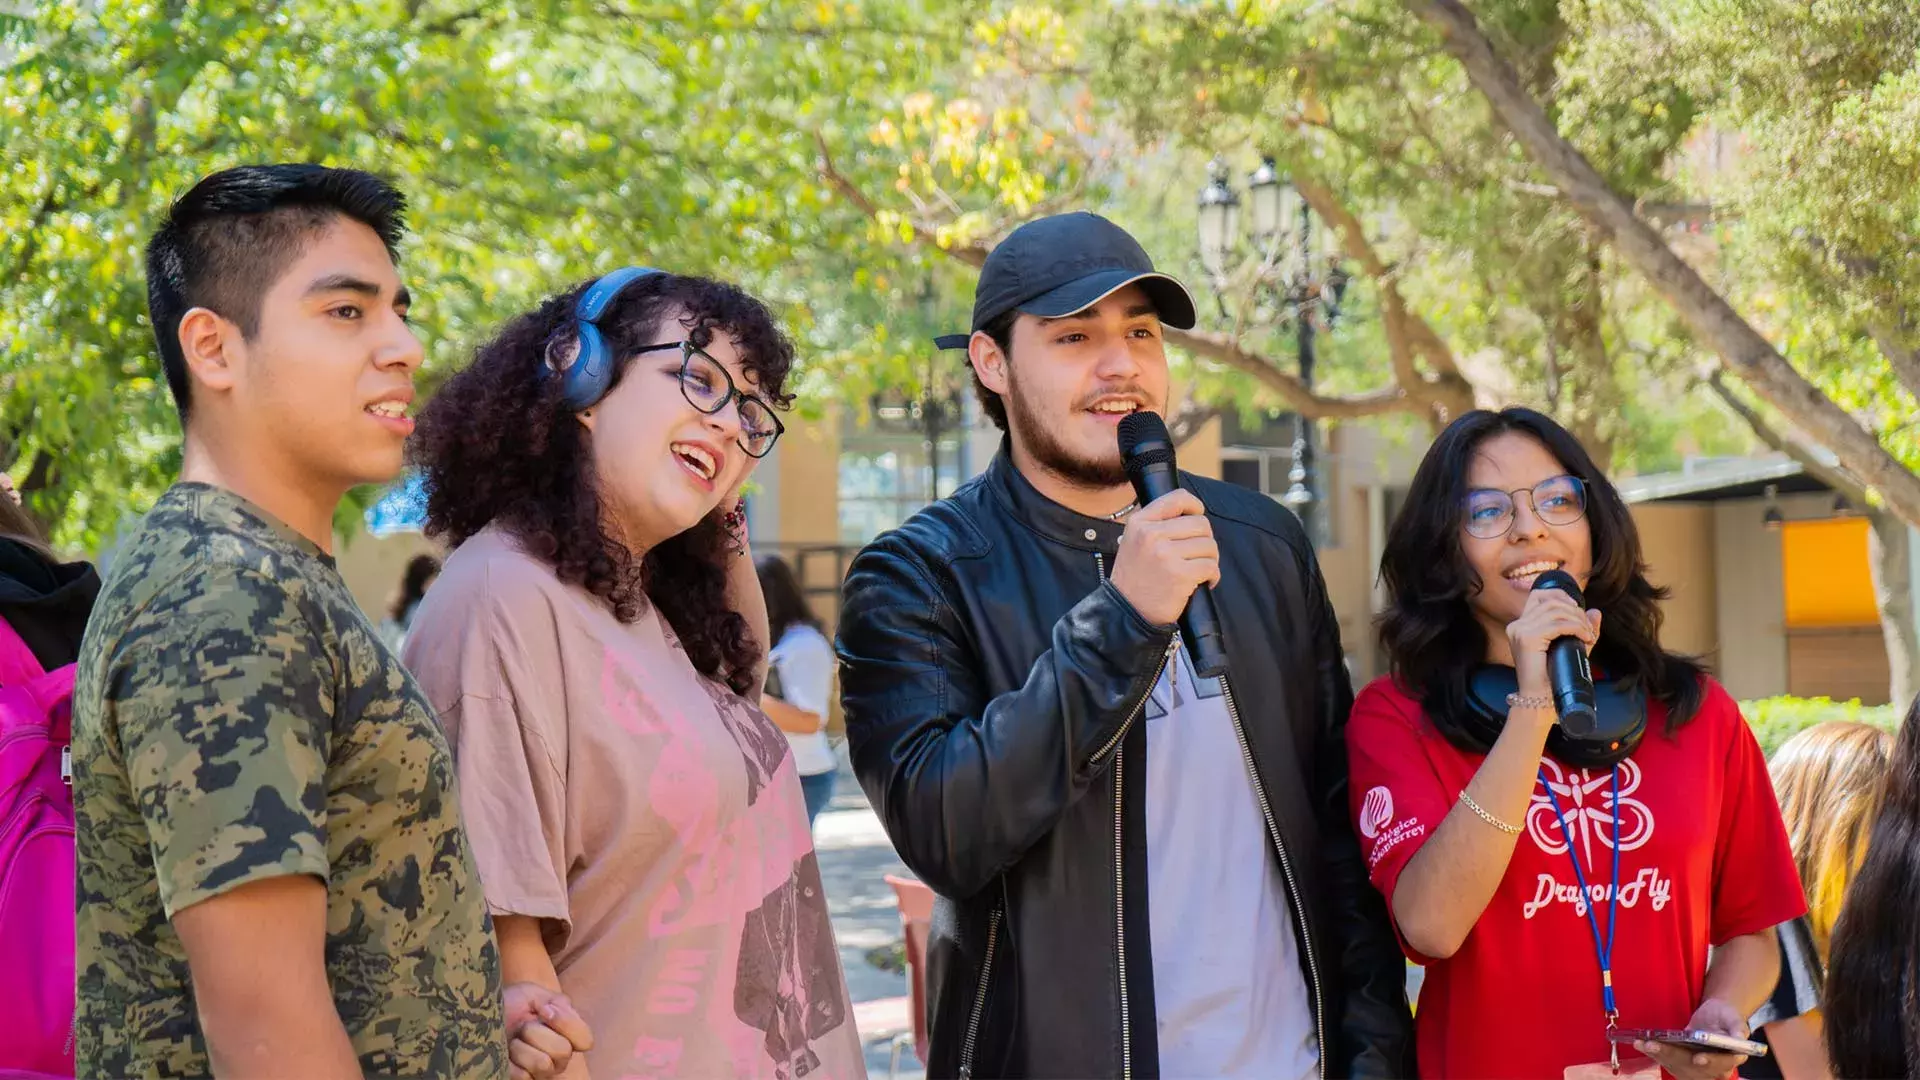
{"type": "Point", "coordinates": [1560, 579]}
{"type": "Point", "coordinates": [1142, 426]}
{"type": "Point", "coordinates": [1139, 462]}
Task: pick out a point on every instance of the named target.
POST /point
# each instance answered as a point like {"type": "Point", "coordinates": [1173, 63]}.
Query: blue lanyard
{"type": "Point", "coordinates": [1604, 953]}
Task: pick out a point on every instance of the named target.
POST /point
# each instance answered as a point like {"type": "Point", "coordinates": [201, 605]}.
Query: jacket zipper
{"type": "Point", "coordinates": [1120, 918]}
{"type": "Point", "coordinates": [1286, 873]}
{"type": "Point", "coordinates": [980, 996]}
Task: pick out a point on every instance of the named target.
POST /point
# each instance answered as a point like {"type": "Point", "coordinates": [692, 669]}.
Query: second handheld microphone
{"type": "Point", "coordinates": [1146, 449]}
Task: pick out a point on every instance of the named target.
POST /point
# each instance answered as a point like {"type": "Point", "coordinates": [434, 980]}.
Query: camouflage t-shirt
{"type": "Point", "coordinates": [237, 719]}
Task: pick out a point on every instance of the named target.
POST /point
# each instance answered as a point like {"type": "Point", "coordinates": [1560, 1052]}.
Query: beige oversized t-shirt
{"type": "Point", "coordinates": [650, 817]}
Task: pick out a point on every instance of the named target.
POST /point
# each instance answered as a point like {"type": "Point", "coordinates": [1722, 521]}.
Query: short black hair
{"type": "Point", "coordinates": [1001, 331]}
{"type": "Point", "coordinates": [229, 238]}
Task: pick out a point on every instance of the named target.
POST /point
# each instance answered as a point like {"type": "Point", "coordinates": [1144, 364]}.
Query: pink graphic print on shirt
{"type": "Point", "coordinates": [756, 871]}
{"type": "Point", "coordinates": [787, 982]}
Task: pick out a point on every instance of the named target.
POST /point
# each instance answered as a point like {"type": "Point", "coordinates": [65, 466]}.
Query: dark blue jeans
{"type": "Point", "coordinates": [818, 790]}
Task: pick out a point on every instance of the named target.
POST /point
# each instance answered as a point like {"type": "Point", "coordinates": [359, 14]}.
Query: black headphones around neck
{"type": "Point", "coordinates": [1622, 713]}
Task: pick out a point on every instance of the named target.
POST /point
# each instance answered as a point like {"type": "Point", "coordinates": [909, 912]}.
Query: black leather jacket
{"type": "Point", "coordinates": [991, 678]}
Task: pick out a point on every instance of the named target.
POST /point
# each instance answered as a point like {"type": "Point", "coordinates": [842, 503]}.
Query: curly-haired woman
{"type": "Point", "coordinates": [593, 646]}
{"type": "Point", "coordinates": [1556, 886]}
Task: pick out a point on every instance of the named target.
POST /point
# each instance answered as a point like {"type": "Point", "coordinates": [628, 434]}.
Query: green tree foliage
{"type": "Point", "coordinates": [539, 142]}
{"type": "Point", "coordinates": [1355, 97]}
{"type": "Point", "coordinates": [1815, 123]}
{"type": "Point", "coordinates": [849, 160]}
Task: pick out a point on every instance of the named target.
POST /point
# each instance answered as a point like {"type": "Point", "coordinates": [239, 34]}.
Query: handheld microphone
{"type": "Point", "coordinates": [1146, 450]}
{"type": "Point", "coordinates": [1568, 675]}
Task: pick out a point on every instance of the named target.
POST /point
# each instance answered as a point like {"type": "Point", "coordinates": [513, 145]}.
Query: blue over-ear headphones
{"type": "Point", "coordinates": [589, 374]}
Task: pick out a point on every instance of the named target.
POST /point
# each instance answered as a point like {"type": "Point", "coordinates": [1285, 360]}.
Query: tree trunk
{"type": "Point", "coordinates": [1901, 355]}
{"type": "Point", "coordinates": [1713, 321]}
{"type": "Point", "coordinates": [1591, 397]}
{"type": "Point", "coordinates": [1889, 547]}
{"type": "Point", "coordinates": [42, 485]}
{"type": "Point", "coordinates": [1889, 557]}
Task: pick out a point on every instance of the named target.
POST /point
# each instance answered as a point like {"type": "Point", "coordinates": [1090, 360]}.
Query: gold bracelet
{"type": "Point", "coordinates": [1467, 800]}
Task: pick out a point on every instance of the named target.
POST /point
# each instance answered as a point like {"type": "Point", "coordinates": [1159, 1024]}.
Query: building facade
{"type": "Point", "coordinates": [1770, 585]}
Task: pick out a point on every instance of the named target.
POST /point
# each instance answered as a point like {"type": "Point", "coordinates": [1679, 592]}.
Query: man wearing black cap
{"type": "Point", "coordinates": [1141, 872]}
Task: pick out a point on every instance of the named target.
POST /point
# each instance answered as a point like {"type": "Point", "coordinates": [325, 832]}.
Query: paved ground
{"type": "Point", "coordinates": [855, 859]}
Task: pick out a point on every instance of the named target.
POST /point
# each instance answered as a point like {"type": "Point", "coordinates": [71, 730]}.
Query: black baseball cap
{"type": "Point", "coordinates": [1064, 264]}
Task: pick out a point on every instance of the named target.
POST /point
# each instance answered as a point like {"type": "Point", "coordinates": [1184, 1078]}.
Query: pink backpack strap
{"type": "Point", "coordinates": [18, 665]}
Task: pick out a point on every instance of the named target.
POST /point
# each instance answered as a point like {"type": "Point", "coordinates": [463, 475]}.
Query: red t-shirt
{"type": "Point", "coordinates": [1703, 860]}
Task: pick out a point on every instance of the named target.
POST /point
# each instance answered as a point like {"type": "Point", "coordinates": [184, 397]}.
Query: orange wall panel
{"type": "Point", "coordinates": [1826, 575]}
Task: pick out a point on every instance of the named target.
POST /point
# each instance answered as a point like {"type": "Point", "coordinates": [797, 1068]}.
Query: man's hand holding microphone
{"type": "Point", "coordinates": [1166, 552]}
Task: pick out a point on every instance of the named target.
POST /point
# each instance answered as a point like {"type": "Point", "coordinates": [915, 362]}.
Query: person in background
{"type": "Point", "coordinates": [44, 605]}
{"type": "Point", "coordinates": [421, 570]}
{"type": "Point", "coordinates": [1873, 973]}
{"type": "Point", "coordinates": [594, 647]}
{"type": "Point", "coordinates": [799, 680]}
{"type": "Point", "coordinates": [46, 601]}
{"type": "Point", "coordinates": [1828, 779]}
{"type": "Point", "coordinates": [1546, 884]}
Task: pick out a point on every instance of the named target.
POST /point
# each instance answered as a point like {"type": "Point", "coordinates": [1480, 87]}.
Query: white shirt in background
{"type": "Point", "coordinates": [805, 661]}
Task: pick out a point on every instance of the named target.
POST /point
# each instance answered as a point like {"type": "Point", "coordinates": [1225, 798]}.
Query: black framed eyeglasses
{"type": "Point", "coordinates": [1557, 500]}
{"type": "Point", "coordinates": [708, 386]}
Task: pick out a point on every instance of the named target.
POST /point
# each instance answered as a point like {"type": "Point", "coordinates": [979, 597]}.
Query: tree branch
{"type": "Point", "coordinates": [30, 238]}
{"type": "Point", "coordinates": [1188, 419]}
{"type": "Point", "coordinates": [1222, 349]}
{"type": "Point", "coordinates": [1886, 544]}
{"type": "Point", "coordinates": [1834, 476]}
{"type": "Point", "coordinates": [1408, 334]}
{"type": "Point", "coordinates": [450, 25]}
{"type": "Point", "coordinates": [1904, 360]}
{"type": "Point", "coordinates": [41, 475]}
{"type": "Point", "coordinates": [667, 15]}
{"type": "Point", "coordinates": [1680, 213]}
{"type": "Point", "coordinates": [1742, 348]}
{"type": "Point", "coordinates": [1213, 346]}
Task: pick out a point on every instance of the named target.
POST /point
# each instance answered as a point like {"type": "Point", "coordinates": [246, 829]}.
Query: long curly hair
{"type": "Point", "coordinates": [499, 447]}
{"type": "Point", "coordinates": [1428, 629]}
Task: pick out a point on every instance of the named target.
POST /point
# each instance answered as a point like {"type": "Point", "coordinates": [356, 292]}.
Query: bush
{"type": "Point", "coordinates": [1777, 719]}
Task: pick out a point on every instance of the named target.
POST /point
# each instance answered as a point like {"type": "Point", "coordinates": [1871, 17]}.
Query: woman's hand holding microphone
{"type": "Point", "coordinates": [1549, 614]}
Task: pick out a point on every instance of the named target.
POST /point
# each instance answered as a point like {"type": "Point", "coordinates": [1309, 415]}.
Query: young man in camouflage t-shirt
{"type": "Point", "coordinates": [273, 874]}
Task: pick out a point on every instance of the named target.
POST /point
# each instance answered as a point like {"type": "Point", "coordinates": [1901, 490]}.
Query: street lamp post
{"type": "Point", "coordinates": [931, 403]}
{"type": "Point", "coordinates": [1219, 220]}
{"type": "Point", "coordinates": [932, 414]}
{"type": "Point", "coordinates": [1281, 228]}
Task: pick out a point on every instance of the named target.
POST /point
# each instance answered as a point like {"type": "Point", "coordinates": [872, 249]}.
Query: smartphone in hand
{"type": "Point", "coordinates": [1706, 1042]}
